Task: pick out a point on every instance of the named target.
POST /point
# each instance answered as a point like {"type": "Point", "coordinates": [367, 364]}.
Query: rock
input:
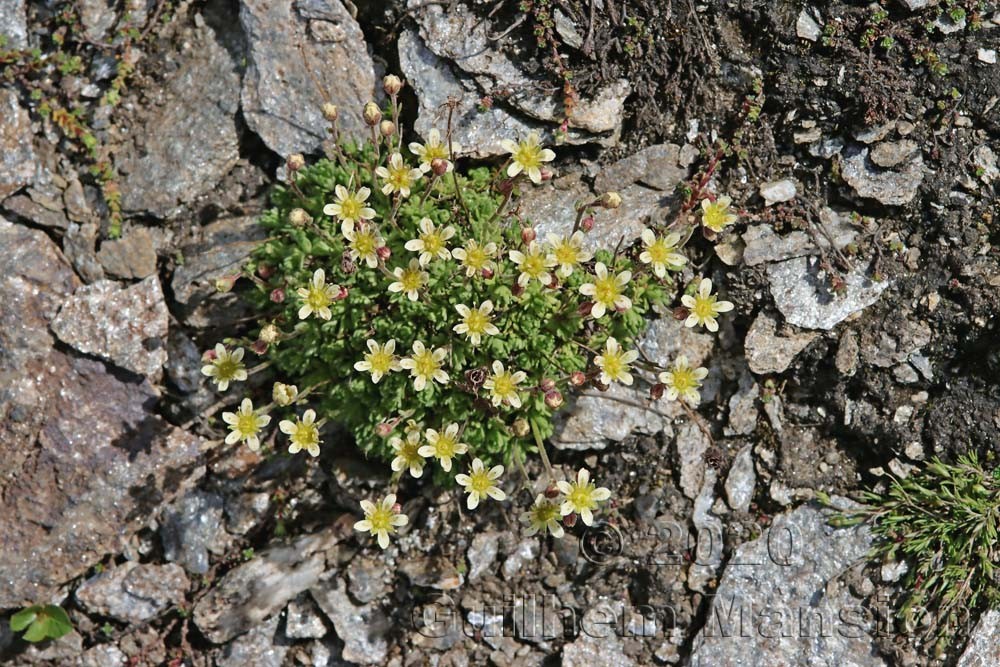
{"type": "Point", "coordinates": [808, 136]}
{"type": "Point", "coordinates": [768, 352]}
{"type": "Point", "coordinates": [947, 25]}
{"type": "Point", "coordinates": [800, 291]}
{"type": "Point", "coordinates": [132, 256]}
{"type": "Point", "coordinates": [78, 244]}
{"type": "Point", "coordinates": [58, 651]}
{"type": "Point", "coordinates": [134, 593]}
{"type": "Point", "coordinates": [225, 246]}
{"type": "Point", "coordinates": [260, 647]}
{"type": "Point", "coordinates": [13, 25]}
{"type": "Point", "coordinates": [763, 244]}
{"type": "Point", "coordinates": [914, 5]}
{"type": "Point", "coordinates": [103, 655]}
{"type": "Point", "coordinates": [255, 590]}
{"type": "Point", "coordinates": [183, 146]}
{"type": "Point", "coordinates": [777, 591]}
{"type": "Point", "coordinates": [566, 30]}
{"type": "Point", "coordinates": [707, 555]}
{"type": "Point", "coordinates": [597, 645]}
{"type": "Point", "coordinates": [593, 418]}
{"type": "Point", "coordinates": [362, 628]}
{"type": "Point", "coordinates": [847, 353]}
{"type": "Point", "coordinates": [84, 461]}
{"type": "Point", "coordinates": [982, 649]}
{"type": "Point", "coordinates": [285, 88]}
{"type": "Point", "coordinates": [892, 188]}
{"type": "Point", "coordinates": [870, 135]}
{"type": "Point", "coordinates": [366, 579]}
{"type": "Point", "coordinates": [892, 153]}
{"type": "Point", "coordinates": [806, 26]}
{"type": "Point", "coordinates": [433, 572]}
{"type": "Point", "coordinates": [303, 620]}
{"type": "Point", "coordinates": [536, 618]}
{"type": "Point", "coordinates": [97, 17]}
{"type": "Point", "coordinates": [775, 192]}
{"type": "Point", "coordinates": [985, 162]}
{"type": "Point", "coordinates": [526, 551]}
{"type": "Point", "coordinates": [743, 406]}
{"type": "Point", "coordinates": [658, 167]}
{"type": "Point", "coordinates": [246, 511]}
{"type": "Point", "coordinates": [27, 208]}
{"type": "Point", "coordinates": [17, 157]}
{"type": "Point", "coordinates": [691, 446]}
{"type": "Point", "coordinates": [192, 527]}
{"type": "Point", "coordinates": [741, 480]}
{"type": "Point", "coordinates": [126, 326]}
{"type": "Point", "coordinates": [482, 554]}
{"type": "Point", "coordinates": [988, 56]}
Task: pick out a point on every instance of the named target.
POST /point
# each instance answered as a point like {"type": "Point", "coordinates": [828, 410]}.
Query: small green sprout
{"type": "Point", "coordinates": [42, 622]}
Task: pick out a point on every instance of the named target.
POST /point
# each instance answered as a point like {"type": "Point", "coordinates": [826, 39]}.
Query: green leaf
{"type": "Point", "coordinates": [24, 618]}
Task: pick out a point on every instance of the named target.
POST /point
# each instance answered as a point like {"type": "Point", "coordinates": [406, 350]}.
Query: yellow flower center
{"type": "Point", "coordinates": [659, 252]}
{"type": "Point", "coordinates": [409, 452]}
{"type": "Point", "coordinates": [475, 257]}
{"type": "Point", "coordinates": [225, 369]}
{"type": "Point", "coordinates": [606, 290]}
{"type": "Point", "coordinates": [411, 280]}
{"type": "Point", "coordinates": [380, 361]}
{"type": "Point", "coordinates": [381, 520]}
{"type": "Point", "coordinates": [350, 208]}
{"type": "Point", "coordinates": [704, 306]}
{"type": "Point", "coordinates": [306, 435]}
{"type": "Point", "coordinates": [504, 385]}
{"type": "Point", "coordinates": [365, 244]}
{"type": "Point", "coordinates": [534, 265]}
{"type": "Point", "coordinates": [544, 513]}
{"type": "Point", "coordinates": [477, 322]}
{"type": "Point", "coordinates": [444, 448]}
{"type": "Point", "coordinates": [613, 365]}
{"type": "Point", "coordinates": [715, 216]}
{"type": "Point", "coordinates": [566, 254]}
{"type": "Point", "coordinates": [425, 364]}
{"type": "Point", "coordinates": [318, 298]}
{"type": "Point", "coordinates": [480, 481]}
{"type": "Point", "coordinates": [580, 497]}
{"type": "Point", "coordinates": [246, 424]}
{"type": "Point", "coordinates": [432, 242]}
{"type": "Point", "coordinates": [399, 178]}
{"type": "Point", "coordinates": [683, 379]}
{"type": "Point", "coordinates": [435, 151]}
{"type": "Point", "coordinates": [528, 155]}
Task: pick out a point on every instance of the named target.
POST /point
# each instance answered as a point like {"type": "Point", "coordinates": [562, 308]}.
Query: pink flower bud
{"type": "Point", "coordinates": [569, 520]}
{"type": "Point", "coordinates": [553, 399]}
{"type": "Point", "coordinates": [528, 235]}
{"type": "Point", "coordinates": [506, 186]}
{"type": "Point", "coordinates": [545, 174]}
{"type": "Point", "coordinates": [585, 308]}
{"type": "Point", "coordinates": [342, 294]}
{"type": "Point", "coordinates": [681, 313]}
{"type": "Point", "coordinates": [547, 384]}
{"type": "Point", "coordinates": [384, 253]}
{"type": "Point", "coordinates": [577, 379]}
{"type": "Point", "coordinates": [656, 391]}
{"type": "Point", "coordinates": [551, 491]}
{"type": "Point", "coordinates": [587, 223]}
{"type": "Point", "coordinates": [296, 161]}
{"type": "Point", "coordinates": [278, 295]}
{"type": "Point", "coordinates": [265, 271]}
{"type": "Point", "coordinates": [391, 84]}
{"type": "Point", "coordinates": [383, 430]}
{"type": "Point", "coordinates": [397, 508]}
{"type": "Point", "coordinates": [486, 273]}
{"type": "Point", "coordinates": [259, 347]}
{"type": "Point", "coordinates": [439, 166]}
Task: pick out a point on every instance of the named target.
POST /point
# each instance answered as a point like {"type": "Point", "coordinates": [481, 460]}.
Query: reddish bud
{"type": "Point", "coordinates": [439, 166]}
{"type": "Point", "coordinates": [547, 384]}
{"type": "Point", "coordinates": [486, 273]}
{"type": "Point", "coordinates": [225, 284]}
{"type": "Point", "coordinates": [265, 271]}
{"type": "Point", "coordinates": [371, 114]}
{"type": "Point", "coordinates": [384, 253]}
{"type": "Point", "coordinates": [295, 162]}
{"type": "Point", "coordinates": [587, 223]}
{"type": "Point", "coordinates": [569, 520]}
{"type": "Point", "coordinates": [506, 186]}
{"type": "Point", "coordinates": [397, 508]}
{"type": "Point", "coordinates": [585, 308]}
{"type": "Point", "coordinates": [259, 347]}
{"type": "Point", "coordinates": [656, 391]}
{"type": "Point", "coordinates": [681, 313]}
{"type": "Point", "coordinates": [528, 235]}
{"type": "Point", "coordinates": [383, 430]}
{"type": "Point", "coordinates": [577, 379]}
{"type": "Point", "coordinates": [387, 128]}
{"type": "Point", "coordinates": [391, 84]}
{"type": "Point", "coordinates": [517, 289]}
{"type": "Point", "coordinates": [278, 295]}
{"type": "Point", "coordinates": [546, 174]}
{"type": "Point", "coordinates": [553, 399]}
{"type": "Point", "coordinates": [209, 355]}
{"type": "Point", "coordinates": [551, 491]}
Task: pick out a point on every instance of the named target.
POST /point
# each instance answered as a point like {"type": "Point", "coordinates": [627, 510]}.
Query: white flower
{"type": "Point", "coordinates": [703, 307]}
{"type": "Point", "coordinates": [433, 149]}
{"type": "Point", "coordinates": [476, 322]}
{"type": "Point", "coordinates": [443, 446]}
{"type": "Point", "coordinates": [614, 363]}
{"type": "Point", "coordinates": [425, 365]}
{"type": "Point", "coordinates": [245, 425]}
{"type": "Point", "coordinates": [716, 215]}
{"type": "Point", "coordinates": [381, 519]}
{"type": "Point", "coordinates": [410, 280]}
{"type": "Point", "coordinates": [568, 252]}
{"type": "Point", "coordinates": [527, 155]}
{"type": "Point", "coordinates": [480, 483]}
{"type": "Point", "coordinates": [317, 297]}
{"type": "Point", "coordinates": [364, 240]}
{"type": "Point", "coordinates": [543, 516]}
{"type": "Point", "coordinates": [581, 496]}
{"type": "Point", "coordinates": [661, 253]}
{"type": "Point", "coordinates": [407, 453]}
{"type": "Point", "coordinates": [431, 242]}
{"type": "Point", "coordinates": [606, 290]}
{"type": "Point", "coordinates": [534, 265]}
{"type": "Point", "coordinates": [503, 385]}
{"type": "Point", "coordinates": [350, 206]}
{"type": "Point", "coordinates": [379, 360]}
{"type": "Point", "coordinates": [683, 381]}
{"type": "Point", "coordinates": [476, 258]}
{"type": "Point", "coordinates": [303, 433]}
{"type": "Point", "coordinates": [398, 176]}
{"type": "Point", "coordinates": [226, 367]}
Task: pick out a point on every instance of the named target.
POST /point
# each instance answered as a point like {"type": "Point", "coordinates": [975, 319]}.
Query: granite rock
{"type": "Point", "coordinates": [134, 593]}
{"type": "Point", "coordinates": [801, 292]}
{"type": "Point", "coordinates": [17, 156]}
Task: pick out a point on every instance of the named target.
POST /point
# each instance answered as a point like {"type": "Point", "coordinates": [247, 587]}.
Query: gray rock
{"type": "Point", "coordinates": [914, 5]}
{"type": "Point", "coordinates": [848, 351]}
{"type": "Point", "coordinates": [526, 551]}
{"type": "Point", "coordinates": [658, 167]}
{"type": "Point", "coordinates": [743, 406]}
{"type": "Point", "coordinates": [58, 651]}
{"type": "Point", "coordinates": [597, 645]}
{"type": "Point", "coordinates": [799, 287]}
{"type": "Point", "coordinates": [17, 157]}
{"type": "Point", "coordinates": [985, 162]}
{"type": "Point", "coordinates": [741, 480]}
{"type": "Point", "coordinates": [892, 153]}
{"type": "Point", "coordinates": [536, 618]}
{"type": "Point", "coordinates": [710, 537]}
{"type": "Point", "coordinates": [283, 94]}
{"type": "Point", "coordinates": [255, 590]}
{"type": "Point", "coordinates": [132, 256]}
{"type": "Point", "coordinates": [947, 25]}
{"type": "Point", "coordinates": [246, 511]}
{"type": "Point", "coordinates": [988, 56]}
{"type": "Point", "coordinates": [566, 29]}
{"type": "Point", "coordinates": [482, 553]}
{"type": "Point", "coordinates": [892, 188]}
{"type": "Point", "coordinates": [775, 192]}
{"type": "Point", "coordinates": [432, 572]}
{"type": "Point", "coordinates": [225, 245]}
{"type": "Point", "coordinates": [29, 209]}
{"type": "Point", "coordinates": [776, 591]}
{"type": "Point", "coordinates": [691, 446]}
{"type": "Point", "coordinates": [363, 628]}
{"type": "Point", "coordinates": [78, 244]}
{"type": "Point", "coordinates": [768, 352]}
{"type": "Point", "coordinates": [186, 144]}
{"type": "Point", "coordinates": [303, 620]}
{"type": "Point", "coordinates": [982, 649]}
{"type": "Point", "coordinates": [134, 593]}
{"type": "Point", "coordinates": [126, 326]}
{"type": "Point", "coordinates": [97, 17]}
{"type": "Point", "coordinates": [103, 655]}
{"type": "Point", "coordinates": [14, 24]}
{"type": "Point", "coordinates": [763, 244]}
{"type": "Point", "coordinates": [806, 26]}
{"type": "Point", "coordinates": [192, 527]}
{"type": "Point", "coordinates": [594, 418]}
{"type": "Point", "coordinates": [869, 135]}
{"type": "Point", "coordinates": [260, 647]}
{"type": "Point", "coordinates": [366, 579]}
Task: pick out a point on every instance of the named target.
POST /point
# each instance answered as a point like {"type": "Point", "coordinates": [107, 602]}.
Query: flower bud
{"type": "Point", "coordinates": [284, 394]}
{"type": "Point", "coordinates": [299, 218]}
{"type": "Point", "coordinates": [265, 271]}
{"type": "Point", "coordinates": [577, 379]}
{"type": "Point", "coordinates": [397, 508]}
{"type": "Point", "coordinates": [330, 112]}
{"type": "Point", "coordinates": [517, 289]}
{"type": "Point", "coordinates": [439, 166]}
{"type": "Point", "coordinates": [209, 355]}
{"type": "Point", "coordinates": [225, 283]}
{"type": "Point", "coordinates": [587, 223]}
{"type": "Point", "coordinates": [600, 386]}
{"type": "Point", "coordinates": [391, 84]}
{"type": "Point", "coordinates": [656, 391]}
{"type": "Point", "coordinates": [259, 347]}
{"type": "Point", "coordinates": [487, 273]}
{"type": "Point", "coordinates": [278, 295]}
{"type": "Point", "coordinates": [383, 430]}
{"type": "Point", "coordinates": [545, 174]}
{"type": "Point", "coordinates": [506, 186]}
{"type": "Point", "coordinates": [569, 520]}
{"type": "Point", "coordinates": [387, 128]}
{"type": "Point", "coordinates": [521, 427]}
{"type": "Point", "coordinates": [269, 333]}
{"type": "Point", "coordinates": [528, 235]}
{"type": "Point", "coordinates": [681, 313]}
{"type": "Point", "coordinates": [611, 200]}
{"type": "Point", "coordinates": [296, 161]}
{"type": "Point", "coordinates": [384, 253]}
{"type": "Point", "coordinates": [554, 399]}
{"type": "Point", "coordinates": [551, 491]}
{"type": "Point", "coordinates": [585, 308]}
{"type": "Point", "coordinates": [547, 384]}
{"type": "Point", "coordinates": [372, 115]}
{"type": "Point", "coordinates": [342, 293]}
